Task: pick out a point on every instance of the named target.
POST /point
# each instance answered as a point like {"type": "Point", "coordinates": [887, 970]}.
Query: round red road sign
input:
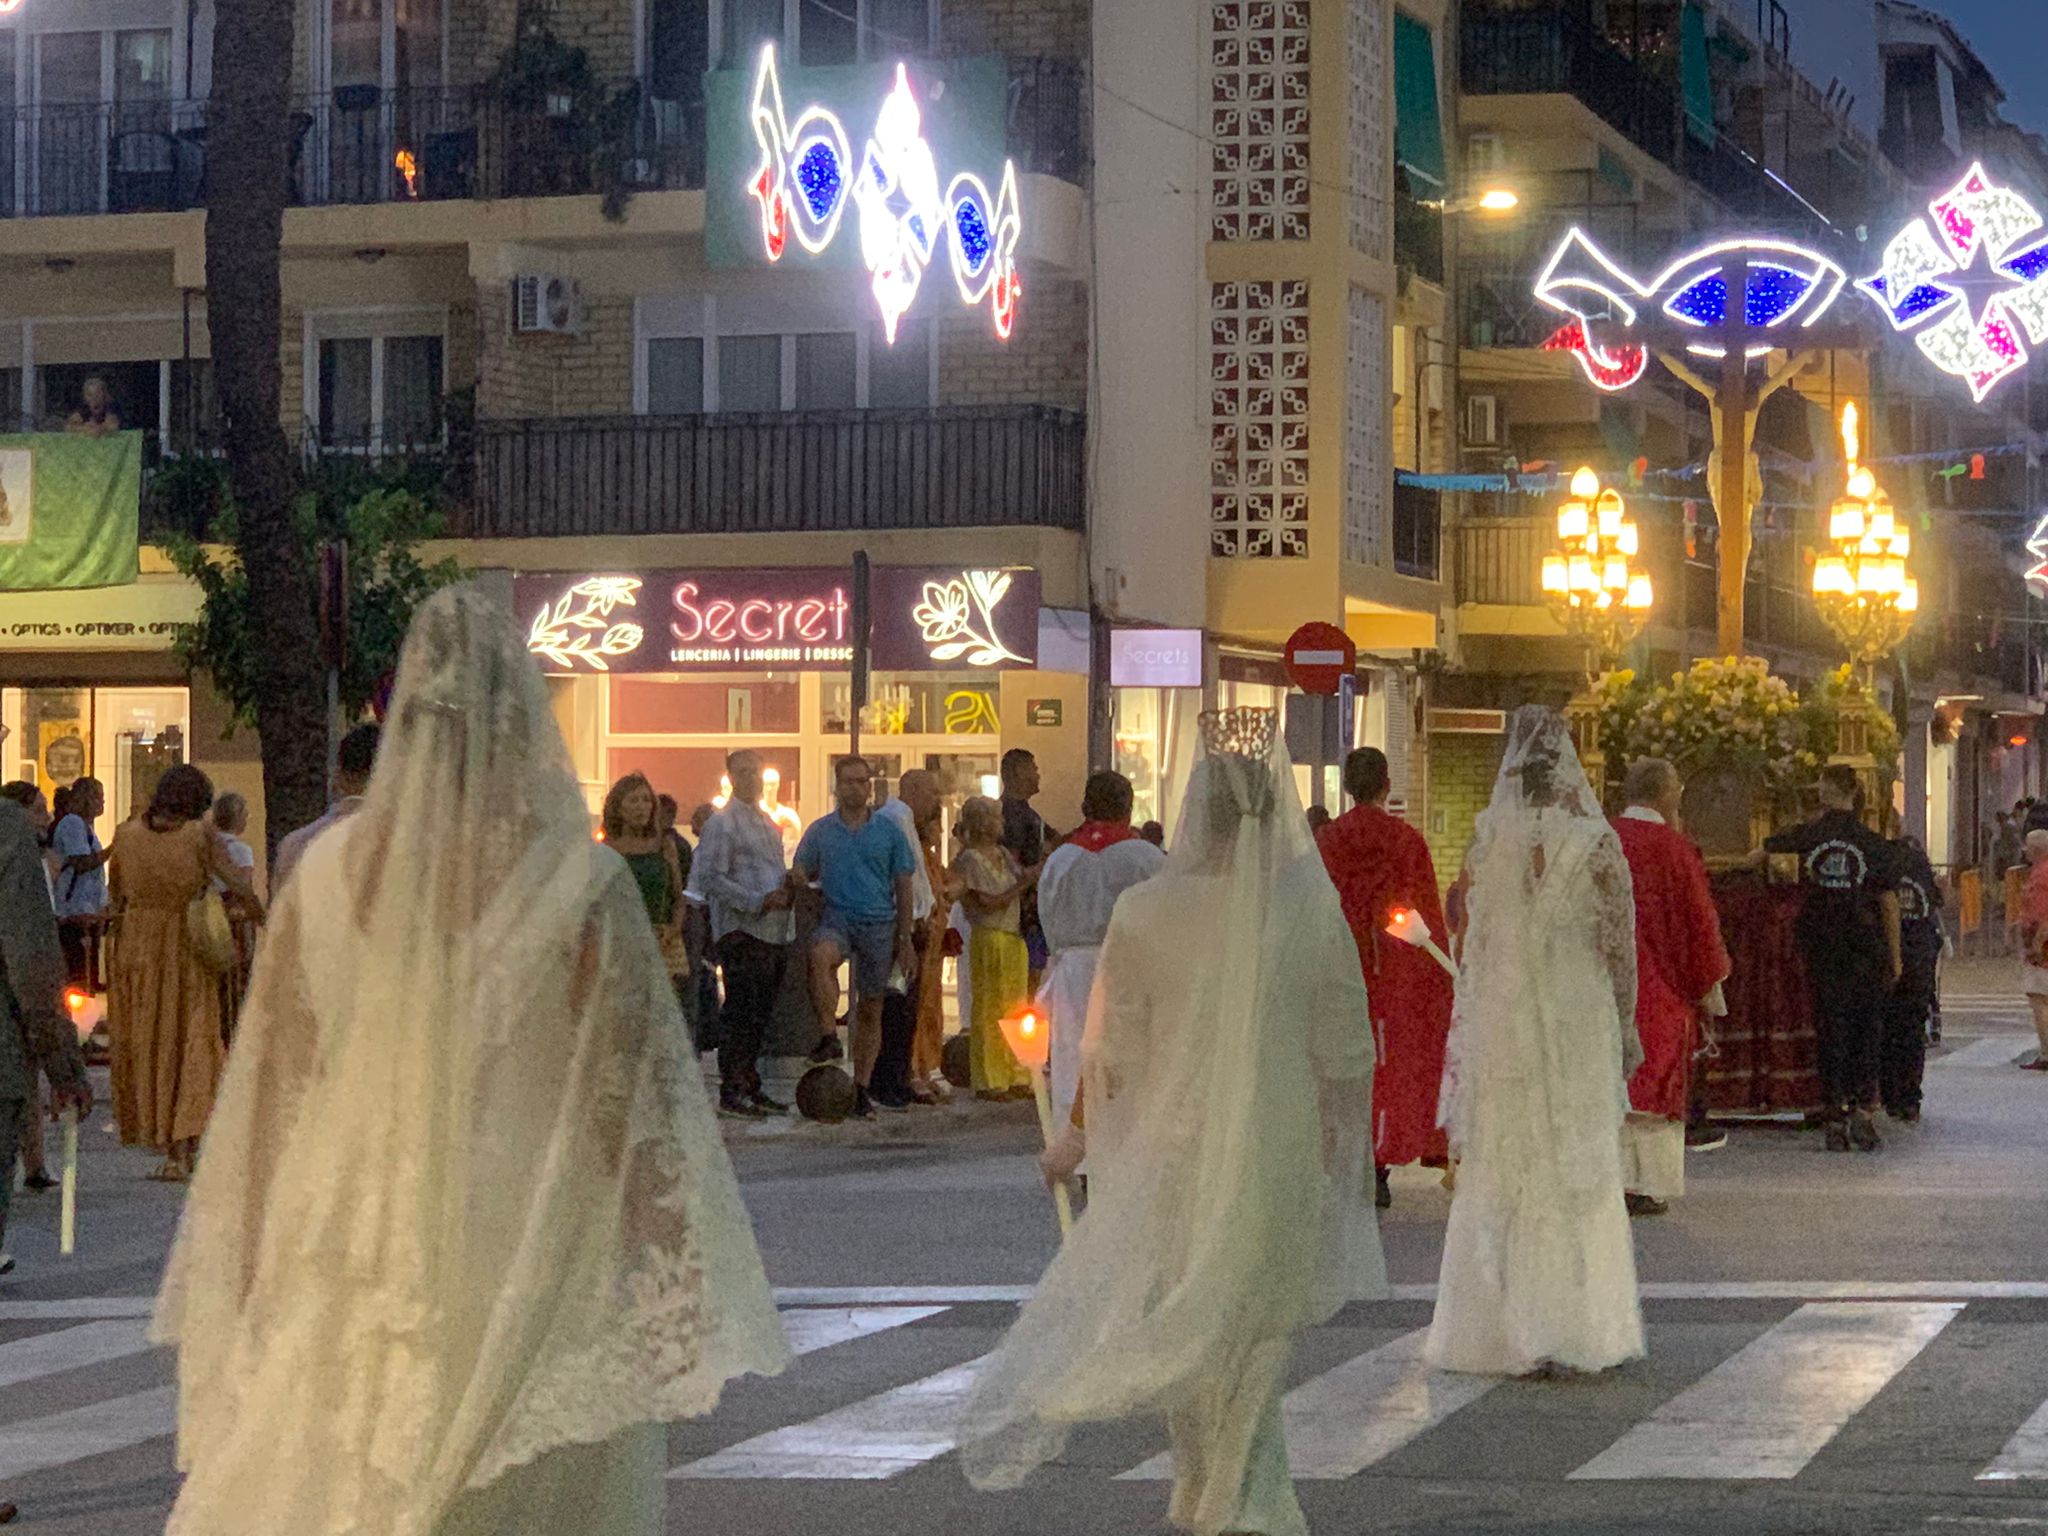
{"type": "Point", "coordinates": [1318, 656]}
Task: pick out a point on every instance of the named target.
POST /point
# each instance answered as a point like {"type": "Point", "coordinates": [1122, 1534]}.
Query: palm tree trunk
{"type": "Point", "coordinates": [248, 177]}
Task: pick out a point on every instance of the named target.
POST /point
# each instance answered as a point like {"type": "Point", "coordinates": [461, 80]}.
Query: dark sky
{"type": "Point", "coordinates": [2007, 35]}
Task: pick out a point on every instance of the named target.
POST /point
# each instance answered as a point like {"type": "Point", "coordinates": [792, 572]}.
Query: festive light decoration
{"type": "Point", "coordinates": [2037, 546]}
{"type": "Point", "coordinates": [1861, 585]}
{"type": "Point", "coordinates": [807, 177]}
{"type": "Point", "coordinates": [1787, 286]}
{"type": "Point", "coordinates": [1985, 345]}
{"type": "Point", "coordinates": [1588, 579]}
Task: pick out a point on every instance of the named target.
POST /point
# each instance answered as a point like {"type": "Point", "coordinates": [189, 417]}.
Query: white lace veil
{"type": "Point", "coordinates": [463, 1200]}
{"type": "Point", "coordinates": [1227, 1063]}
{"type": "Point", "coordinates": [1542, 854]}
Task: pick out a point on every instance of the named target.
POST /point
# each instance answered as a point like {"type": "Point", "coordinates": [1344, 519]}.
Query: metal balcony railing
{"type": "Point", "coordinates": [364, 144]}
{"type": "Point", "coordinates": [1553, 49]}
{"type": "Point", "coordinates": [793, 472]}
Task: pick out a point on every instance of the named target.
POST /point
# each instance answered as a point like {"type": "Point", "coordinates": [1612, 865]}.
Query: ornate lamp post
{"type": "Point", "coordinates": [1597, 595]}
{"type": "Point", "coordinates": [1865, 594]}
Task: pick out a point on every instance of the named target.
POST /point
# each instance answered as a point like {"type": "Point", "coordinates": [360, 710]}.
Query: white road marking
{"type": "Point", "coordinates": [1652, 1290]}
{"type": "Point", "coordinates": [69, 1349]}
{"type": "Point", "coordinates": [1357, 1414]}
{"type": "Point", "coordinates": [76, 1307]}
{"type": "Point", "coordinates": [33, 1445]}
{"type": "Point", "coordinates": [2025, 1454]}
{"type": "Point", "coordinates": [813, 1330]}
{"type": "Point", "coordinates": [880, 1436]}
{"type": "Point", "coordinates": [1768, 1409]}
{"type": "Point", "coordinates": [896, 1295]}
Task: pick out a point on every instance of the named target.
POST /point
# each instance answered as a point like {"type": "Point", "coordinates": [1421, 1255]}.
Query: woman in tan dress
{"type": "Point", "coordinates": [164, 1010]}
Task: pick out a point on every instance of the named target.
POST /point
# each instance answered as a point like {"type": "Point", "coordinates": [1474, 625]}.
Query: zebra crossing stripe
{"type": "Point", "coordinates": [811, 1330]}
{"type": "Point", "coordinates": [76, 1308]}
{"type": "Point", "coordinates": [2025, 1454]}
{"type": "Point", "coordinates": [70, 1349]}
{"type": "Point", "coordinates": [32, 1445]}
{"type": "Point", "coordinates": [877, 1437]}
{"type": "Point", "coordinates": [1768, 1409]}
{"type": "Point", "coordinates": [1357, 1414]}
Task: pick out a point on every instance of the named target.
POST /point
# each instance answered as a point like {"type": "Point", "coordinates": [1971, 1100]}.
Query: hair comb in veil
{"type": "Point", "coordinates": [1240, 732]}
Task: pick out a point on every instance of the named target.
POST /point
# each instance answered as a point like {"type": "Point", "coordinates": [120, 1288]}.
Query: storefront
{"type": "Point", "coordinates": [668, 671]}
{"type": "Point", "coordinates": [90, 685]}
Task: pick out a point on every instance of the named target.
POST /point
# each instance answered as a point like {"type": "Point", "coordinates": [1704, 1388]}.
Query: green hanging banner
{"type": "Point", "coordinates": [1695, 76]}
{"type": "Point", "coordinates": [70, 510]}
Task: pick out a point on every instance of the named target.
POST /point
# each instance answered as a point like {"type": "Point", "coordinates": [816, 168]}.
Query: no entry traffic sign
{"type": "Point", "coordinates": [1319, 656]}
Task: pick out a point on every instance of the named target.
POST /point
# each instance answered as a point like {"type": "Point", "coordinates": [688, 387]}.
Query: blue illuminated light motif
{"type": "Point", "coordinates": [807, 176]}
{"type": "Point", "coordinates": [1982, 346]}
{"type": "Point", "coordinates": [1788, 287]}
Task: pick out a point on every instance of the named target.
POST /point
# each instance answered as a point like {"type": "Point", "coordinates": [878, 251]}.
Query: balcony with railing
{"type": "Point", "coordinates": [1554, 49]}
{"type": "Point", "coordinates": [364, 144]}
{"type": "Point", "coordinates": [1418, 531]}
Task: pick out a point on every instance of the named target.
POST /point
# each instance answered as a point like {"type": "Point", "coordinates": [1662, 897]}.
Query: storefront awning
{"type": "Point", "coordinates": [1694, 75]}
{"type": "Point", "coordinates": [1418, 123]}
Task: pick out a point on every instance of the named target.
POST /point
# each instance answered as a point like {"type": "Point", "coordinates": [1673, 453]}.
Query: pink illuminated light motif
{"type": "Point", "coordinates": [1919, 285]}
{"type": "Point", "coordinates": [801, 181]}
{"type": "Point", "coordinates": [898, 198]}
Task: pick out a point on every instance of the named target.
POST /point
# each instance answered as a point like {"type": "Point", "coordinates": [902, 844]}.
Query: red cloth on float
{"type": "Point", "coordinates": [1378, 862]}
{"type": "Point", "coordinates": [1767, 1051]}
{"type": "Point", "coordinates": [1679, 957]}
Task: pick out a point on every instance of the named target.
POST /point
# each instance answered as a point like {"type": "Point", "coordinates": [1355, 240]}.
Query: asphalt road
{"type": "Point", "coordinates": [1837, 1344]}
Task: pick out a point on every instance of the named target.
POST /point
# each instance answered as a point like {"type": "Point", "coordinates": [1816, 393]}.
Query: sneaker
{"type": "Point", "coordinates": [6, 1263]}
{"type": "Point", "coordinates": [732, 1107]}
{"type": "Point", "coordinates": [863, 1105]}
{"type": "Point", "coordinates": [1382, 1193]}
{"type": "Point", "coordinates": [894, 1103]}
{"type": "Point", "coordinates": [1644, 1205]}
{"type": "Point", "coordinates": [767, 1106]}
{"type": "Point", "coordinates": [1905, 1114]}
{"type": "Point", "coordinates": [1706, 1139]}
{"type": "Point", "coordinates": [1863, 1132]}
{"type": "Point", "coordinates": [827, 1049]}
{"type": "Point", "coordinates": [38, 1181]}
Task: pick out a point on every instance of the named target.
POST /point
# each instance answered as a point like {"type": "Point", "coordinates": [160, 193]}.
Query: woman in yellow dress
{"type": "Point", "coordinates": [1000, 965]}
{"type": "Point", "coordinates": [164, 1003]}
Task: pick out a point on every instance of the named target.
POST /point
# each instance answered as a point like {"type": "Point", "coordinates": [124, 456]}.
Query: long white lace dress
{"type": "Point", "coordinates": [1539, 1264]}
{"type": "Point", "coordinates": [463, 1236]}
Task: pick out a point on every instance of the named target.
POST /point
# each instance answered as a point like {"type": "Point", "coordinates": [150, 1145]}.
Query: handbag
{"type": "Point", "coordinates": [208, 933]}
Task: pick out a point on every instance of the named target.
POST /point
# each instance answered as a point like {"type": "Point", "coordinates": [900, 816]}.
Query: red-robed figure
{"type": "Point", "coordinates": [1379, 863]}
{"type": "Point", "coordinates": [1680, 959]}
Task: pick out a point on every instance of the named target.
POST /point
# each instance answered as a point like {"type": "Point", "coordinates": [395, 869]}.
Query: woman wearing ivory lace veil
{"type": "Point", "coordinates": [465, 1236]}
{"type": "Point", "coordinates": [1539, 1273]}
{"type": "Point", "coordinates": [1226, 1078]}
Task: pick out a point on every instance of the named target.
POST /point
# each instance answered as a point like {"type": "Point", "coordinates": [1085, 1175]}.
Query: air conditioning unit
{"type": "Point", "coordinates": [1483, 424]}
{"type": "Point", "coordinates": [545, 303]}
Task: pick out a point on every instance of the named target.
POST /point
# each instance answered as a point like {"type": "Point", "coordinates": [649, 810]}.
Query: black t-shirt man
{"type": "Point", "coordinates": [1920, 903]}
{"type": "Point", "coordinates": [1846, 870]}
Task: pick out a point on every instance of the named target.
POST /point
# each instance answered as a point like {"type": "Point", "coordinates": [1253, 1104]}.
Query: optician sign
{"type": "Point", "coordinates": [924, 619]}
{"type": "Point", "coordinates": [1155, 658]}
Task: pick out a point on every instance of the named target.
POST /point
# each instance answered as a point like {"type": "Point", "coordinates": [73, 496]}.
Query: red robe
{"type": "Point", "coordinates": [1679, 957]}
{"type": "Point", "coordinates": [1378, 862]}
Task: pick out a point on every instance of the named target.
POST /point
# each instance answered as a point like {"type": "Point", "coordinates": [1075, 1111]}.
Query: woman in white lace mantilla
{"type": "Point", "coordinates": [1226, 1070]}
{"type": "Point", "coordinates": [1539, 1269]}
{"type": "Point", "coordinates": [464, 1236]}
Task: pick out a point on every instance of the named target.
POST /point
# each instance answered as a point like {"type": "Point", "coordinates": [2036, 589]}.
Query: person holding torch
{"type": "Point", "coordinates": [1226, 1066]}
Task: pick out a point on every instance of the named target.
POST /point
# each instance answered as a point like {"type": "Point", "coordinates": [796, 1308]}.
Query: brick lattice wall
{"type": "Point", "coordinates": [1045, 361]}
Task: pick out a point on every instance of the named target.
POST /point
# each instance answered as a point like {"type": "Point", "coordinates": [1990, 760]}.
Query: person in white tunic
{"type": "Point", "coordinates": [463, 1236]}
{"type": "Point", "coordinates": [1227, 1068]}
{"type": "Point", "coordinates": [1538, 1269]}
{"type": "Point", "coordinates": [1077, 891]}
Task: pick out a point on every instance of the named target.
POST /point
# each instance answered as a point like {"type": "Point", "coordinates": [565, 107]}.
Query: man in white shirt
{"type": "Point", "coordinates": [1078, 891]}
{"type": "Point", "coordinates": [916, 798]}
{"type": "Point", "coordinates": [81, 874]}
{"type": "Point", "coordinates": [353, 764]}
{"type": "Point", "coordinates": [742, 878]}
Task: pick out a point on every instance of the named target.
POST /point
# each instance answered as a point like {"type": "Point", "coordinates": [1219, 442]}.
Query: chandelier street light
{"type": "Point", "coordinates": [1860, 581]}
{"type": "Point", "coordinates": [1589, 579]}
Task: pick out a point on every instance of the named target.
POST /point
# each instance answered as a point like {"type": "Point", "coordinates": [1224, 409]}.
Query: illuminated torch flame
{"type": "Point", "coordinates": [1406, 924]}
{"type": "Point", "coordinates": [408, 167]}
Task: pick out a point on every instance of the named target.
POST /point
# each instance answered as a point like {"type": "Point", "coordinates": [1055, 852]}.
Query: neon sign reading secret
{"type": "Point", "coordinates": [760, 630]}
{"type": "Point", "coordinates": [807, 176]}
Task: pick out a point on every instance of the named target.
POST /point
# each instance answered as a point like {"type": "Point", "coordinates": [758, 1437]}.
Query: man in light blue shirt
{"type": "Point", "coordinates": [863, 865]}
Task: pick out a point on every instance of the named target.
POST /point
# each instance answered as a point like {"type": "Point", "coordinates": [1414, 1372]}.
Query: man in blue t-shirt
{"type": "Point", "coordinates": [863, 866]}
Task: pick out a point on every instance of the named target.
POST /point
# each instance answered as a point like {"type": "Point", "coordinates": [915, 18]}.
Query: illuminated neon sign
{"type": "Point", "coordinates": [807, 176]}
{"type": "Point", "coordinates": [2037, 546]}
{"type": "Point", "coordinates": [923, 619]}
{"type": "Point", "coordinates": [1786, 285]}
{"type": "Point", "coordinates": [1921, 285]}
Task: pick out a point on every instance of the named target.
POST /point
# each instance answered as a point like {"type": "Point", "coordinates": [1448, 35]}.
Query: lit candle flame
{"type": "Point", "coordinates": [409, 168]}
{"type": "Point", "coordinates": [1029, 1041]}
{"type": "Point", "coordinates": [1851, 443]}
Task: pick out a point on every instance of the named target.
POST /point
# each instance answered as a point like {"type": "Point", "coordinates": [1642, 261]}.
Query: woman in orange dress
{"type": "Point", "coordinates": [164, 999]}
